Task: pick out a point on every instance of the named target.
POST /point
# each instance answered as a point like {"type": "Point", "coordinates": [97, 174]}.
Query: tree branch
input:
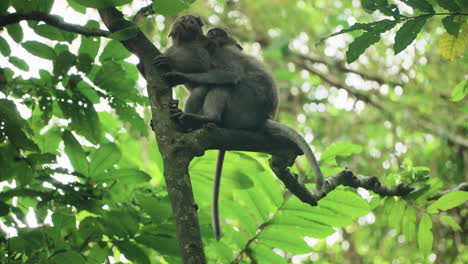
{"type": "Point", "coordinates": [424, 125]}
{"type": "Point", "coordinates": [52, 20]}
{"type": "Point", "coordinates": [341, 67]}
{"type": "Point", "coordinates": [176, 154]}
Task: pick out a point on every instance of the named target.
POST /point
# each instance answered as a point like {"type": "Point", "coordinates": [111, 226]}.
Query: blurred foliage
{"type": "Point", "coordinates": [82, 179]}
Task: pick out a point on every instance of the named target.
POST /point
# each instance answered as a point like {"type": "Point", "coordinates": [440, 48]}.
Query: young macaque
{"type": "Point", "coordinates": [242, 94]}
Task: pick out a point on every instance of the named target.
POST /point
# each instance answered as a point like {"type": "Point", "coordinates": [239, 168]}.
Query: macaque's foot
{"type": "Point", "coordinates": [173, 104]}
{"type": "Point", "coordinates": [175, 78]}
{"type": "Point", "coordinates": [161, 61]}
{"type": "Point", "coordinates": [188, 121]}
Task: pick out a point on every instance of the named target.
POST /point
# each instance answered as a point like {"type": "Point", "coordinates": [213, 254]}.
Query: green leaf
{"type": "Point", "coordinates": [409, 223]}
{"type": "Point", "coordinates": [63, 221]}
{"type": "Point", "coordinates": [345, 202]}
{"type": "Point", "coordinates": [121, 223]}
{"type": "Point", "coordinates": [266, 254]}
{"type": "Point", "coordinates": [19, 63]}
{"type": "Point", "coordinates": [16, 32]}
{"type": "Point", "coordinates": [361, 43]}
{"type": "Point", "coordinates": [382, 5]}
{"type": "Point", "coordinates": [102, 3]}
{"type": "Point", "coordinates": [54, 33]}
{"type": "Point", "coordinates": [104, 158]}
{"type": "Point", "coordinates": [422, 5]}
{"type": "Point", "coordinates": [394, 218]}
{"type": "Point", "coordinates": [447, 219]}
{"type": "Point", "coordinates": [16, 127]}
{"type": "Point", "coordinates": [407, 33]}
{"type": "Point", "coordinates": [39, 49]}
{"type": "Point", "coordinates": [4, 47]}
{"type": "Point", "coordinates": [284, 238]}
{"type": "Point", "coordinates": [133, 252]}
{"type": "Point", "coordinates": [125, 176]}
{"type": "Point", "coordinates": [460, 91]}
{"type": "Point", "coordinates": [158, 209]}
{"type": "Point", "coordinates": [343, 149]}
{"type": "Point", "coordinates": [164, 244]}
{"type": "Point", "coordinates": [450, 5]}
{"type": "Point", "coordinates": [90, 45]}
{"type": "Point", "coordinates": [425, 236]}
{"type": "Point", "coordinates": [77, 7]}
{"type": "Point", "coordinates": [63, 62]}
{"type": "Point", "coordinates": [69, 257]}
{"type": "Point", "coordinates": [90, 227]}
{"type": "Point", "coordinates": [169, 7]}
{"type": "Point", "coordinates": [125, 34]}
{"type": "Point", "coordinates": [75, 153]}
{"type": "Point", "coordinates": [4, 209]}
{"type": "Point", "coordinates": [114, 50]}
{"type": "Point", "coordinates": [448, 201]}
{"type": "Point", "coordinates": [4, 6]}
{"type": "Point", "coordinates": [451, 26]}
{"type": "Point", "coordinates": [302, 225]}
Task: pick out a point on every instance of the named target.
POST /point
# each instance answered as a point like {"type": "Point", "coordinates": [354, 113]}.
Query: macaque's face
{"type": "Point", "coordinates": [222, 38]}
{"type": "Point", "coordinates": [186, 27]}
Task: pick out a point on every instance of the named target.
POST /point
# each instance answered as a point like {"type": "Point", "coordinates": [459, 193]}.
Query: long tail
{"type": "Point", "coordinates": [216, 186]}
{"type": "Point", "coordinates": [281, 129]}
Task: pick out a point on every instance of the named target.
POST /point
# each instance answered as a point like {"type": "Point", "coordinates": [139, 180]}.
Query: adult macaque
{"type": "Point", "coordinates": [239, 93]}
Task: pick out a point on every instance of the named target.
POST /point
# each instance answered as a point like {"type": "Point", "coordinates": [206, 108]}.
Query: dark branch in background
{"type": "Point", "coordinates": [335, 82]}
{"type": "Point", "coordinates": [426, 125]}
{"type": "Point", "coordinates": [341, 67]}
{"type": "Point", "coordinates": [461, 187]}
{"type": "Point", "coordinates": [52, 20]}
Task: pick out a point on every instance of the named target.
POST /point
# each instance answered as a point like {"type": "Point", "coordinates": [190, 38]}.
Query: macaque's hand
{"type": "Point", "coordinates": [161, 61]}
{"type": "Point", "coordinates": [175, 78]}
{"type": "Point", "coordinates": [187, 121]}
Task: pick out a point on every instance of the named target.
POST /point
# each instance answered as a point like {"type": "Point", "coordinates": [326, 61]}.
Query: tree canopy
{"type": "Point", "coordinates": [377, 88]}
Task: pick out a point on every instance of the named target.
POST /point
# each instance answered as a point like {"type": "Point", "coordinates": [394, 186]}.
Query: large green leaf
{"type": "Point", "coordinates": [343, 149]}
{"type": "Point", "coordinates": [4, 47]}
{"type": "Point", "coordinates": [75, 153]}
{"type": "Point", "coordinates": [164, 244]}
{"type": "Point", "coordinates": [114, 50]}
{"type": "Point", "coordinates": [104, 158]}
{"type": "Point", "coordinates": [18, 63]}
{"type": "Point", "coordinates": [39, 49]}
{"type": "Point", "coordinates": [169, 7]}
{"type": "Point", "coordinates": [4, 6]}
{"type": "Point", "coordinates": [422, 5]}
{"type": "Point", "coordinates": [345, 202]}
{"type": "Point", "coordinates": [15, 127]}
{"type": "Point", "coordinates": [448, 201]}
{"type": "Point", "coordinates": [407, 33]}
{"type": "Point", "coordinates": [15, 31]}
{"type": "Point", "coordinates": [396, 214]}
{"type": "Point", "coordinates": [409, 223]}
{"type": "Point", "coordinates": [133, 252]}
{"type": "Point", "coordinates": [425, 236]}
{"type": "Point", "coordinates": [102, 3]}
{"type": "Point", "coordinates": [450, 5]}
{"type": "Point", "coordinates": [69, 257]}
{"type": "Point", "coordinates": [266, 254]}
{"type": "Point", "coordinates": [361, 43]}
{"type": "Point", "coordinates": [284, 238]}
{"type": "Point", "coordinates": [122, 223]}
{"type": "Point", "coordinates": [460, 91]}
{"type": "Point", "coordinates": [54, 33]}
{"type": "Point", "coordinates": [302, 225]}
{"type": "Point", "coordinates": [158, 209]}
{"type": "Point", "coordinates": [125, 176]}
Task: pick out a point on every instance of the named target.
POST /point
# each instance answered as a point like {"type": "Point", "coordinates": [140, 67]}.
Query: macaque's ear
{"type": "Point", "coordinates": [200, 22]}
{"type": "Point", "coordinates": [239, 46]}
